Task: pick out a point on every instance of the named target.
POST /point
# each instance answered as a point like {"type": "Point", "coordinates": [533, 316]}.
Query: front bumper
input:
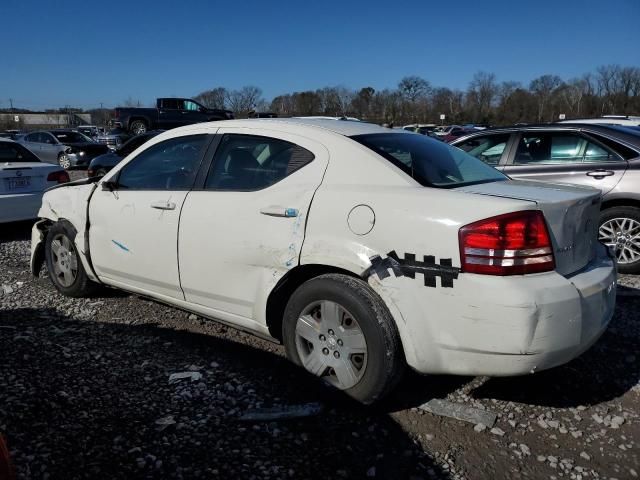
{"type": "Point", "coordinates": [502, 326]}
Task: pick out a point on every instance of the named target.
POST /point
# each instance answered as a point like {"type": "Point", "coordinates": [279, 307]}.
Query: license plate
{"type": "Point", "coordinates": [18, 183]}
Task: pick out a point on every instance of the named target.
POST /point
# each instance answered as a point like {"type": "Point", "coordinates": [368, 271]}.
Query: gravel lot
{"type": "Point", "coordinates": [85, 393]}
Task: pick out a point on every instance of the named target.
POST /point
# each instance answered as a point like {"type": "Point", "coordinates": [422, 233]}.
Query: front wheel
{"type": "Point", "coordinates": [63, 263]}
{"type": "Point", "coordinates": [338, 329]}
{"type": "Point", "coordinates": [620, 228]}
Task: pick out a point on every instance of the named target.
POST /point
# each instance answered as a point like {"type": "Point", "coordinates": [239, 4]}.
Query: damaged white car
{"type": "Point", "coordinates": [360, 248]}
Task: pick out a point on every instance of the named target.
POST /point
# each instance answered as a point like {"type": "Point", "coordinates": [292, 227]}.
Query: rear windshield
{"type": "Point", "coordinates": [430, 162]}
{"type": "Point", "coordinates": [13, 152]}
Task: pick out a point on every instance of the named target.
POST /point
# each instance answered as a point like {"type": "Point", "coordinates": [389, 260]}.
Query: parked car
{"type": "Point", "coordinates": [90, 131]}
{"type": "Point", "coordinates": [432, 259]}
{"type": "Point", "coordinates": [100, 165]}
{"type": "Point", "coordinates": [455, 133]}
{"type": "Point", "coordinates": [67, 148]}
{"type": "Point", "coordinates": [23, 179]}
{"type": "Point", "coordinates": [168, 113]}
{"type": "Point", "coordinates": [114, 138]}
{"type": "Point", "coordinates": [443, 130]}
{"type": "Point", "coordinates": [624, 120]}
{"type": "Point", "coordinates": [422, 128]}
{"type": "Point", "coordinates": [604, 157]}
{"type": "Point", "coordinates": [10, 134]}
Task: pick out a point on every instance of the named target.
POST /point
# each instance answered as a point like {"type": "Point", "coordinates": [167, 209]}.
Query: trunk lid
{"type": "Point", "coordinates": [24, 177]}
{"type": "Point", "coordinates": [571, 212]}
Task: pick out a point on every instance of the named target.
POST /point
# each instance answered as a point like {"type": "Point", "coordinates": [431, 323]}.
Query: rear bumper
{"type": "Point", "coordinates": [19, 206]}
{"type": "Point", "coordinates": [503, 326]}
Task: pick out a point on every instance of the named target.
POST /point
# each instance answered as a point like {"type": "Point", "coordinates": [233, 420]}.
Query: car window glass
{"type": "Point", "coordinates": [12, 152]}
{"type": "Point", "coordinates": [168, 165]}
{"type": "Point", "coordinates": [191, 106]}
{"type": "Point", "coordinates": [558, 148]}
{"type": "Point", "coordinates": [171, 104]}
{"type": "Point", "coordinates": [132, 144]}
{"type": "Point", "coordinates": [46, 138]}
{"type": "Point", "coordinates": [247, 162]}
{"type": "Point", "coordinates": [32, 137]}
{"type": "Point", "coordinates": [430, 162]}
{"type": "Point", "coordinates": [489, 149]}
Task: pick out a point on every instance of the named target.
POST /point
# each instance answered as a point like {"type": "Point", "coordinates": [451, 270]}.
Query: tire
{"type": "Point", "coordinates": [101, 172]}
{"type": "Point", "coordinates": [358, 316]}
{"type": "Point", "coordinates": [63, 161]}
{"type": "Point", "coordinates": [618, 227]}
{"type": "Point", "coordinates": [63, 263]}
{"type": "Point", "coordinates": [138, 127]}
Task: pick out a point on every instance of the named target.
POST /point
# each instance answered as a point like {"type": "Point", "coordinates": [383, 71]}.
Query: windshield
{"type": "Point", "coordinates": [430, 162]}
{"type": "Point", "coordinates": [13, 152]}
{"type": "Point", "coordinates": [71, 137]}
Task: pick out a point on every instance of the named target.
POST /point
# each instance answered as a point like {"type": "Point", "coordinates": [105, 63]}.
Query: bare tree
{"type": "Point", "coordinates": [481, 94]}
{"type": "Point", "coordinates": [543, 88]}
{"type": "Point", "coordinates": [244, 100]}
{"type": "Point", "coordinates": [214, 98]}
{"type": "Point", "coordinates": [413, 87]}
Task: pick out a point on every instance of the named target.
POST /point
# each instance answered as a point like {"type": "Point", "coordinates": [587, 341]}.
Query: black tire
{"type": "Point", "coordinates": [138, 127]}
{"type": "Point", "coordinates": [81, 285]}
{"type": "Point", "coordinates": [63, 160]}
{"type": "Point", "coordinates": [623, 212]}
{"type": "Point", "coordinates": [101, 172]}
{"type": "Point", "coordinates": [385, 357]}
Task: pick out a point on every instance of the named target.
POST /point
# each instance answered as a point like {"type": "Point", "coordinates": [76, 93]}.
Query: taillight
{"type": "Point", "coordinates": [512, 244]}
{"type": "Point", "coordinates": [60, 176]}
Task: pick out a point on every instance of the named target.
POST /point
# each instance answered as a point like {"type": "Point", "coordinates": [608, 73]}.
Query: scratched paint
{"type": "Point", "coordinates": [118, 244]}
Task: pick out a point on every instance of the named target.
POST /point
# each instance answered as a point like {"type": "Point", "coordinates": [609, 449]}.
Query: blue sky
{"type": "Point", "coordinates": [85, 52]}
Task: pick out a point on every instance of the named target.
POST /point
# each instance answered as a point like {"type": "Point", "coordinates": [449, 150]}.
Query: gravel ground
{"type": "Point", "coordinates": [85, 393]}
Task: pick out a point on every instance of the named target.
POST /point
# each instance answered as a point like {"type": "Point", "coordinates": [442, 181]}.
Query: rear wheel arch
{"type": "Point", "coordinates": [620, 202]}
{"type": "Point", "coordinates": [294, 278]}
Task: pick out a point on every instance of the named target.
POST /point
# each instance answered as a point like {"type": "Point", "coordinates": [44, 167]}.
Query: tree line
{"type": "Point", "coordinates": [610, 89]}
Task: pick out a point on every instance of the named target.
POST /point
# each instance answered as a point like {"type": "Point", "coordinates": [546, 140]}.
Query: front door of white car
{"type": "Point", "coordinates": [134, 216]}
{"type": "Point", "coordinates": [243, 230]}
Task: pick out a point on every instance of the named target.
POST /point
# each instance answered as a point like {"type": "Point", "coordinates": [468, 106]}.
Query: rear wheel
{"type": "Point", "coordinates": [620, 228]}
{"type": "Point", "coordinates": [138, 127]}
{"type": "Point", "coordinates": [340, 330]}
{"type": "Point", "coordinates": [65, 267]}
{"type": "Point", "coordinates": [63, 160]}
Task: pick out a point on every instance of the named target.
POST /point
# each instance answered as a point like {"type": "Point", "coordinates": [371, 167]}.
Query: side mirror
{"type": "Point", "coordinates": [109, 186]}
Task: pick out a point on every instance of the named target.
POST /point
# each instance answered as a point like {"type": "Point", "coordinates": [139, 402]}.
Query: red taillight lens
{"type": "Point", "coordinates": [60, 176]}
{"type": "Point", "coordinates": [512, 244]}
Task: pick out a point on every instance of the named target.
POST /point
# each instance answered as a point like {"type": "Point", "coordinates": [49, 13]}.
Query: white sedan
{"type": "Point", "coordinates": [23, 179]}
{"type": "Point", "coordinates": [362, 249]}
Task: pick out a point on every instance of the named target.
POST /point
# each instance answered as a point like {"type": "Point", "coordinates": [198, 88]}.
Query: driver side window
{"type": "Point", "coordinates": [169, 165]}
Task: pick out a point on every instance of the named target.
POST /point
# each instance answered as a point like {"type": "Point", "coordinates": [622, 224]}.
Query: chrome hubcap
{"type": "Point", "coordinates": [64, 162]}
{"type": "Point", "coordinates": [64, 260]}
{"type": "Point", "coordinates": [624, 235]}
{"type": "Point", "coordinates": [330, 344]}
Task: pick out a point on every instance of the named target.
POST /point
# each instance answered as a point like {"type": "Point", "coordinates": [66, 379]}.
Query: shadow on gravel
{"type": "Point", "coordinates": [80, 399]}
{"type": "Point", "coordinates": [10, 232]}
{"type": "Point", "coordinates": [606, 371]}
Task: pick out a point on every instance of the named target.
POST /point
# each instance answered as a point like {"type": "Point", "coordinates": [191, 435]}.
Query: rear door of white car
{"type": "Point", "coordinates": [134, 226]}
{"type": "Point", "coordinates": [243, 228]}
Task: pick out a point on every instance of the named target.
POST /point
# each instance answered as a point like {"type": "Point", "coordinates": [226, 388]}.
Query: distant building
{"type": "Point", "coordinates": [38, 120]}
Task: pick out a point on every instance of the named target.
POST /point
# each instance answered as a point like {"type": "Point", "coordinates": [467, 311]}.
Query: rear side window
{"type": "Point", "coordinates": [622, 150]}
{"type": "Point", "coordinates": [12, 152]}
{"type": "Point", "coordinates": [430, 162]}
{"type": "Point", "coordinates": [489, 149]}
{"type": "Point", "coordinates": [248, 162]}
{"type": "Point", "coordinates": [559, 148]}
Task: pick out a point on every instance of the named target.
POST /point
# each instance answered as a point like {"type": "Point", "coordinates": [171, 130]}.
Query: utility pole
{"type": "Point", "coordinates": [11, 102]}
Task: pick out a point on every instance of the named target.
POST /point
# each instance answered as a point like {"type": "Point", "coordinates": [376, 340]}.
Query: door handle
{"type": "Point", "coordinates": [599, 174]}
{"type": "Point", "coordinates": [163, 205]}
{"type": "Point", "coordinates": [277, 211]}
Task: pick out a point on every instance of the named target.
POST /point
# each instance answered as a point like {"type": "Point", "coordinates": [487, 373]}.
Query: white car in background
{"type": "Point", "coordinates": [23, 179]}
{"type": "Point", "coordinates": [362, 249]}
